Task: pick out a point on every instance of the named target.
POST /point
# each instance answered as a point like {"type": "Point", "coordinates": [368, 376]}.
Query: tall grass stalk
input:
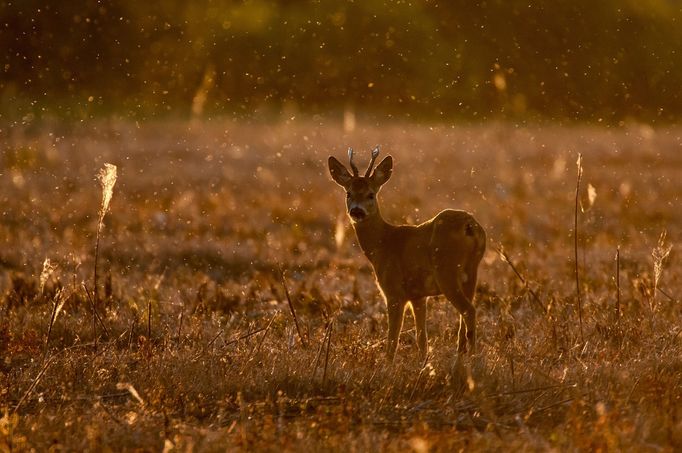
{"type": "Point", "coordinates": [618, 284]}
{"type": "Point", "coordinates": [327, 332]}
{"type": "Point", "coordinates": [326, 356]}
{"type": "Point", "coordinates": [149, 319]}
{"type": "Point", "coordinates": [575, 245]}
{"type": "Point", "coordinates": [57, 305]}
{"type": "Point", "coordinates": [659, 254]}
{"type": "Point", "coordinates": [505, 258]}
{"type": "Point", "coordinates": [107, 179]}
{"type": "Point", "coordinates": [256, 349]}
{"type": "Point", "coordinates": [291, 307]}
{"type": "Point", "coordinates": [48, 269]}
{"type": "Point", "coordinates": [92, 305]}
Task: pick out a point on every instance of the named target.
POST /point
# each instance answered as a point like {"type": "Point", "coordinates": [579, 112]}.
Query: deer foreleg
{"type": "Point", "coordinates": [419, 310]}
{"type": "Point", "coordinates": [396, 309]}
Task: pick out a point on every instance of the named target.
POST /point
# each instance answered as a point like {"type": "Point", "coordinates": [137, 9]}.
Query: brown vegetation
{"type": "Point", "coordinates": [197, 346]}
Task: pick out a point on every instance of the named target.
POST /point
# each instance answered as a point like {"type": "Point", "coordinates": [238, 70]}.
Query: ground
{"type": "Point", "coordinates": [217, 228]}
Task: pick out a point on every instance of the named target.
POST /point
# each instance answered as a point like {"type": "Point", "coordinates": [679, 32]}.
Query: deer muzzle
{"type": "Point", "coordinates": [357, 213]}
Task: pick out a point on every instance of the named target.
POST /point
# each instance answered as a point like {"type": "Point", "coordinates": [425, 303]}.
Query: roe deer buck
{"type": "Point", "coordinates": [411, 263]}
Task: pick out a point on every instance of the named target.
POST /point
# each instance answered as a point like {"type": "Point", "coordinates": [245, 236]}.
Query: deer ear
{"type": "Point", "coordinates": [383, 172]}
{"type": "Point", "coordinates": [340, 175]}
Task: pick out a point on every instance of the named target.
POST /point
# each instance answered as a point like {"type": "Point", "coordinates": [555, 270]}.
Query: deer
{"type": "Point", "coordinates": [414, 262]}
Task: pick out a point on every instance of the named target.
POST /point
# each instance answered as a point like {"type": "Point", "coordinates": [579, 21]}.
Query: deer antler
{"type": "Point", "coordinates": [375, 153]}
{"type": "Point", "coordinates": [352, 164]}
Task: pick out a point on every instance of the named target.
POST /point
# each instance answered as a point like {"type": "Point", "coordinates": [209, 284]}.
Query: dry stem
{"type": "Point", "coordinates": [575, 246]}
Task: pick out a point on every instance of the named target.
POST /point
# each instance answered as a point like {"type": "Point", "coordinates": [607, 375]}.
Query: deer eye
{"type": "Point", "coordinates": [371, 196]}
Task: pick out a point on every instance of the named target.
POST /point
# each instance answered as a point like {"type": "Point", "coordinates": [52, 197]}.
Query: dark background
{"type": "Point", "coordinates": [606, 60]}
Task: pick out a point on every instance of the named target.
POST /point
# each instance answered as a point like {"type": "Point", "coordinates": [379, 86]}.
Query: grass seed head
{"type": "Point", "coordinates": [107, 179]}
{"type": "Point", "coordinates": [660, 253]}
{"type": "Point", "coordinates": [591, 195]}
{"type": "Point", "coordinates": [48, 269]}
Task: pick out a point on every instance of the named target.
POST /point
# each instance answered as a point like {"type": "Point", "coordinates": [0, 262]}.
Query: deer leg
{"type": "Point", "coordinates": [451, 286]}
{"type": "Point", "coordinates": [396, 309]}
{"type": "Point", "coordinates": [461, 335]}
{"type": "Point", "coordinates": [419, 311]}
{"type": "Point", "coordinates": [469, 286]}
{"type": "Point", "coordinates": [468, 289]}
{"type": "Point", "coordinates": [467, 328]}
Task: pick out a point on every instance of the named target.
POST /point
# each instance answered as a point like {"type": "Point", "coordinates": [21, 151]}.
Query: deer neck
{"type": "Point", "coordinates": [371, 234]}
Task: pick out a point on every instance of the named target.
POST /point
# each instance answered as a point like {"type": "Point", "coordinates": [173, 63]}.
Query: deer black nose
{"type": "Point", "coordinates": [357, 213]}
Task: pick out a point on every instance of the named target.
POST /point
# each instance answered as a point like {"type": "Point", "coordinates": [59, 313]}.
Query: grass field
{"type": "Point", "coordinates": [197, 349]}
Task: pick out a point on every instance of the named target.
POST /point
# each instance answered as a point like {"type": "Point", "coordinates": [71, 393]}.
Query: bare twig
{"type": "Point", "coordinates": [149, 318]}
{"type": "Point", "coordinates": [131, 332]}
{"type": "Point", "coordinates": [659, 254]}
{"type": "Point", "coordinates": [419, 376]}
{"type": "Point", "coordinates": [96, 314]}
{"type": "Point", "coordinates": [532, 390]}
{"type": "Point", "coordinates": [107, 180]}
{"type": "Point", "coordinates": [41, 373]}
{"type": "Point", "coordinates": [265, 334]}
{"type": "Point", "coordinates": [48, 269]}
{"type": "Point", "coordinates": [182, 316]}
{"type": "Point", "coordinates": [210, 343]}
{"type": "Point", "coordinates": [55, 303]}
{"type": "Point", "coordinates": [670, 298]}
{"type": "Point", "coordinates": [326, 357]}
{"type": "Point", "coordinates": [507, 260]}
{"type": "Point", "coordinates": [319, 351]}
{"type": "Point", "coordinates": [291, 307]}
{"type": "Point", "coordinates": [106, 410]}
{"type": "Point", "coordinates": [244, 336]}
{"type": "Point", "coordinates": [35, 382]}
{"type": "Point", "coordinates": [58, 303]}
{"type": "Point", "coordinates": [618, 284]}
{"type": "Point", "coordinates": [575, 245]}
{"type": "Point", "coordinates": [550, 406]}
{"type": "Point", "coordinates": [632, 390]}
{"type": "Point", "coordinates": [258, 347]}
{"type": "Point", "coordinates": [327, 329]}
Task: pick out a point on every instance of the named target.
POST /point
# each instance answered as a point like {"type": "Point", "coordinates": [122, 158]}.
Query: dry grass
{"type": "Point", "coordinates": [200, 350]}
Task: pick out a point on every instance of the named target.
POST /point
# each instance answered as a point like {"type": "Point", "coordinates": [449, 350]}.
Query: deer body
{"type": "Point", "coordinates": [438, 257]}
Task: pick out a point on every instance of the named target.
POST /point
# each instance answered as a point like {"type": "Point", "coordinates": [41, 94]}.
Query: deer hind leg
{"type": "Point", "coordinates": [419, 311]}
{"type": "Point", "coordinates": [396, 310]}
{"type": "Point", "coordinates": [469, 286]}
{"type": "Point", "coordinates": [461, 335]}
{"type": "Point", "coordinates": [452, 282]}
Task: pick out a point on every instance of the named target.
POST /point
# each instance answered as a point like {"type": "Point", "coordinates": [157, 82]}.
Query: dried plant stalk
{"type": "Point", "coordinates": [57, 305]}
{"type": "Point", "coordinates": [48, 270]}
{"type": "Point", "coordinates": [659, 254]}
{"type": "Point", "coordinates": [505, 258]}
{"type": "Point", "coordinates": [326, 356]}
{"type": "Point", "coordinates": [575, 245]}
{"type": "Point", "coordinates": [107, 179]}
{"type": "Point", "coordinates": [618, 284]}
{"type": "Point", "coordinates": [291, 307]}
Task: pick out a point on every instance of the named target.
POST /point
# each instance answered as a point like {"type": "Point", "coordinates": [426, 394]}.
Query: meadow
{"type": "Point", "coordinates": [219, 231]}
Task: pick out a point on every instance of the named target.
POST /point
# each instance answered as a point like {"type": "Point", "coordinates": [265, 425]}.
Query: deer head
{"type": "Point", "coordinates": [361, 191]}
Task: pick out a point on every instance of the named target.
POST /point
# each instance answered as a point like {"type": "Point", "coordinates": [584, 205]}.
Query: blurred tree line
{"type": "Point", "coordinates": [579, 59]}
